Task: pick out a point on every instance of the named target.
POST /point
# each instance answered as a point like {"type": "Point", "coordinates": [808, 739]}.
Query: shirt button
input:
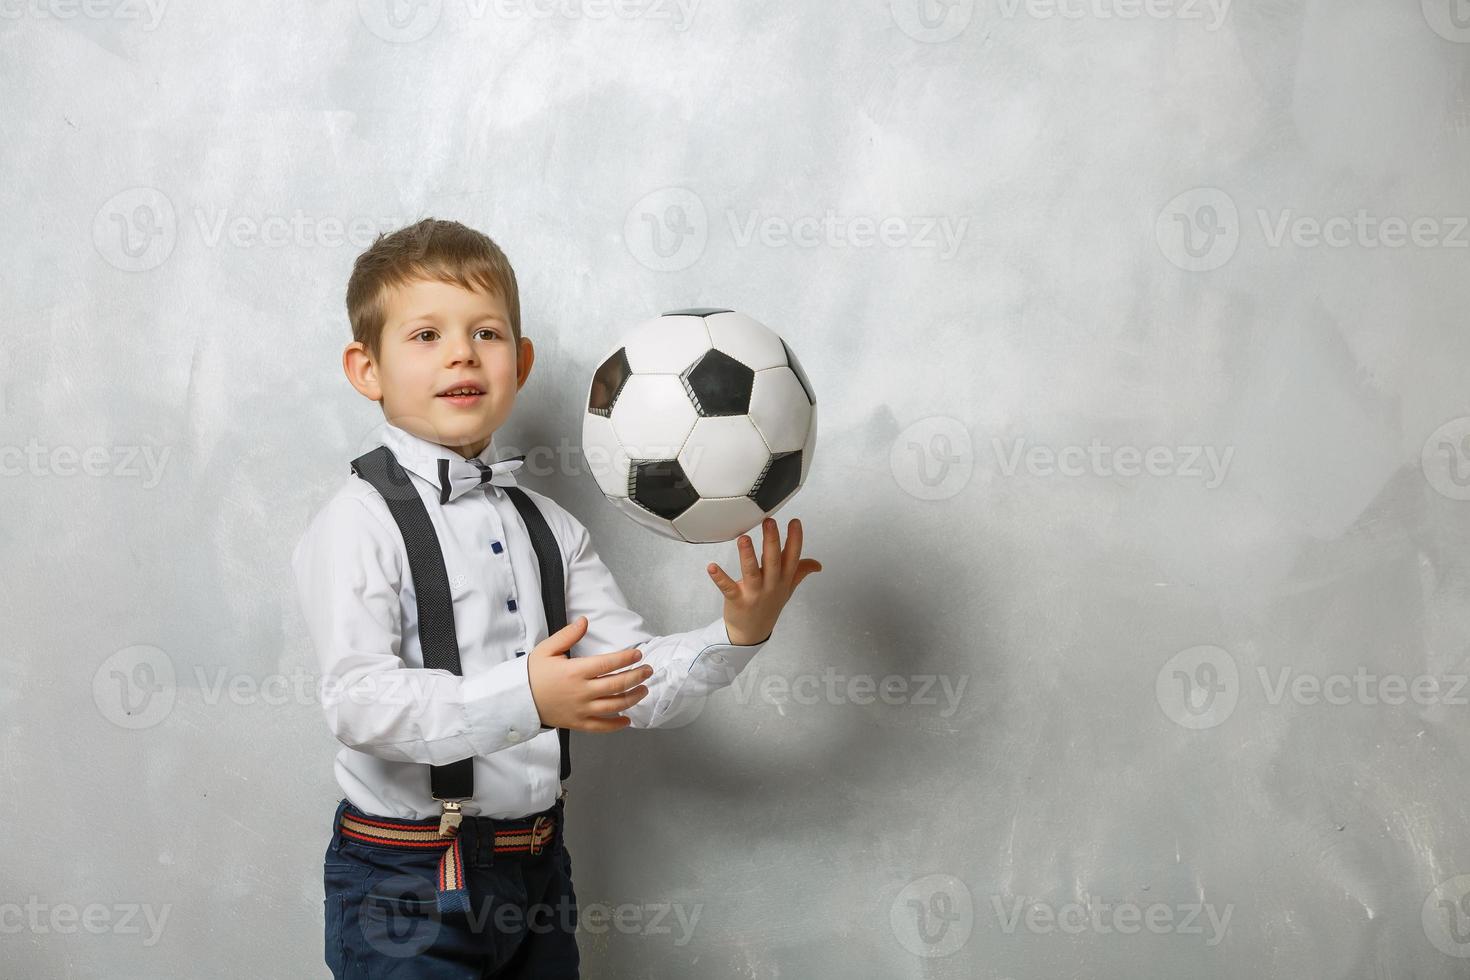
{"type": "Point", "coordinates": [495, 547]}
{"type": "Point", "coordinates": [717, 658]}
{"type": "Point", "coordinates": [511, 605]}
{"type": "Point", "coordinates": [513, 735]}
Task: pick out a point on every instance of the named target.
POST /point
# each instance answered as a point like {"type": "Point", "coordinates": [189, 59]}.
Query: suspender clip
{"type": "Point", "coordinates": [450, 817]}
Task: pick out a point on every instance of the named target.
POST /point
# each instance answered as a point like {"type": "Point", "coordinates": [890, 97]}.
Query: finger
{"type": "Point", "coordinates": [602, 663]}
{"type": "Point", "coordinates": [576, 628]}
{"type": "Point", "coordinates": [770, 548]}
{"type": "Point", "coordinates": [623, 680]}
{"type": "Point", "coordinates": [791, 555]}
{"type": "Point", "coordinates": [748, 568]}
{"type": "Point", "coordinates": [568, 636]}
{"type": "Point", "coordinates": [807, 567]}
{"type": "Point", "coordinates": [723, 582]}
{"type": "Point", "coordinates": [618, 702]}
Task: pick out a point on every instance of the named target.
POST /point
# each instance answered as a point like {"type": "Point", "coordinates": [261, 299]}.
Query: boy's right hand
{"type": "Point", "coordinates": [580, 692]}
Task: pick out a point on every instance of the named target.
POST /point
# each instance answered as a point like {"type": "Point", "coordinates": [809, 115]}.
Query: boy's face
{"type": "Point", "coordinates": [438, 337]}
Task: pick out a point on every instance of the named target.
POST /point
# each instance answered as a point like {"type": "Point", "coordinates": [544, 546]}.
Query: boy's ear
{"type": "Point", "coordinates": [358, 365]}
{"type": "Point", "coordinates": [525, 357]}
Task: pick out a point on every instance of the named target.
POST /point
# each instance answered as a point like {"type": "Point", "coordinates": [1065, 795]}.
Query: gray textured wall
{"type": "Point", "coordinates": [1139, 334]}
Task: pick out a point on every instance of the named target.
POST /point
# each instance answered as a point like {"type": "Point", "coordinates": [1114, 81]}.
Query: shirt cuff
{"type": "Point", "coordinates": [724, 637]}
{"type": "Point", "coordinates": [720, 661]}
{"type": "Point", "coordinates": [500, 708]}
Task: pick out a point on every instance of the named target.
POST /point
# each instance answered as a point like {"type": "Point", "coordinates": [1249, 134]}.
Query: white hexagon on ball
{"type": "Point", "coordinates": [605, 455]}
{"type": "Point", "coordinates": [751, 343]}
{"type": "Point", "coordinates": [779, 409]}
{"type": "Point", "coordinates": [721, 519]}
{"type": "Point", "coordinates": [653, 416]}
{"type": "Point", "coordinates": [666, 344]}
{"type": "Point", "coordinates": [723, 457]}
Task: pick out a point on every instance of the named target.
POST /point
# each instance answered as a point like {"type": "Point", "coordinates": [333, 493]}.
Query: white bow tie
{"type": "Point", "coordinates": [459, 476]}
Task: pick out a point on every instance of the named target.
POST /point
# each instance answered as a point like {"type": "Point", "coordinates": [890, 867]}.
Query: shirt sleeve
{"type": "Point", "coordinates": [687, 667]}
{"type": "Point", "coordinates": [349, 573]}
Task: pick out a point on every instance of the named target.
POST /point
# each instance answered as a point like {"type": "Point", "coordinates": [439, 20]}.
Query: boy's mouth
{"type": "Point", "coordinates": [462, 395]}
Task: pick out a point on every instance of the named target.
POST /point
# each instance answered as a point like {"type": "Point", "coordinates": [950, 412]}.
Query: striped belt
{"type": "Point", "coordinates": [526, 835]}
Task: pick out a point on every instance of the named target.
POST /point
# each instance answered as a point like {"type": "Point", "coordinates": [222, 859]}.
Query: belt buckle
{"type": "Point", "coordinates": [541, 831]}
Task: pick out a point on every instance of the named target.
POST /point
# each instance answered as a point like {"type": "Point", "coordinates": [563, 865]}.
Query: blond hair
{"type": "Point", "coordinates": [432, 249]}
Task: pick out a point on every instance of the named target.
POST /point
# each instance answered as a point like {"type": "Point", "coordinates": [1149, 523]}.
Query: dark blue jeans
{"type": "Point", "coordinates": [383, 920]}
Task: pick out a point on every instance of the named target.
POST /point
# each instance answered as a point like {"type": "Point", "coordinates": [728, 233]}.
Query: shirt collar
{"type": "Point", "coordinates": [431, 461]}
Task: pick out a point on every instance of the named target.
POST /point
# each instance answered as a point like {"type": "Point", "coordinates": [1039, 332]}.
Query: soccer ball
{"type": "Point", "coordinates": [699, 424]}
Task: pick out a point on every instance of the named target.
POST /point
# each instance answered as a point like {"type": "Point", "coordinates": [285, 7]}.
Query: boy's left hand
{"type": "Point", "coordinates": [753, 604]}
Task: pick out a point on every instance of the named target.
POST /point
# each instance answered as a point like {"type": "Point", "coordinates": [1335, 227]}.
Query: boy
{"type": "Point", "coordinates": [447, 857]}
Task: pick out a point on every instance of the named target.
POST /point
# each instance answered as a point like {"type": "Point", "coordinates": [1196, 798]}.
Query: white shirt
{"type": "Point", "coordinates": [394, 716]}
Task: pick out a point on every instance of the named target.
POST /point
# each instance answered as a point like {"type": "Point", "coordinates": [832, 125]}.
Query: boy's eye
{"type": "Point", "coordinates": [426, 331]}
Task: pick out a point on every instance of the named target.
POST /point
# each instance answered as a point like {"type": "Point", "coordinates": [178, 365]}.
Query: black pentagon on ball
{"type": "Point", "coordinates": [795, 366]}
{"type": "Point", "coordinates": [781, 477]}
{"type": "Point", "coordinates": [660, 486]}
{"type": "Point", "coordinates": [698, 311]}
{"type": "Point", "coordinates": [718, 384]}
{"type": "Point", "coordinates": [607, 382]}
